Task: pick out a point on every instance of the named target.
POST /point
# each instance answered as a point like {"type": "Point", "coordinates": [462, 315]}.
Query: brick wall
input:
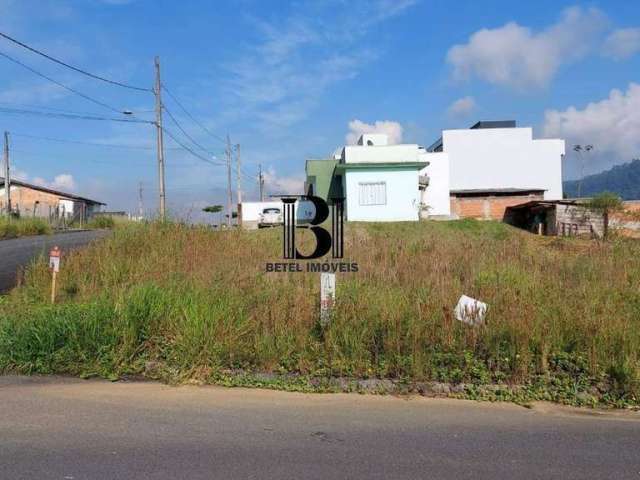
{"type": "Point", "coordinates": [487, 207]}
{"type": "Point", "coordinates": [24, 200]}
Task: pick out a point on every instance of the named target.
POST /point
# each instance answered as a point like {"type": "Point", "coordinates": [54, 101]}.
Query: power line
{"type": "Point", "coordinates": [80, 142]}
{"type": "Point", "coordinates": [197, 155]}
{"type": "Point", "coordinates": [197, 122]}
{"type": "Point", "coordinates": [79, 70]}
{"type": "Point", "coordinates": [204, 149]}
{"type": "Point", "coordinates": [72, 90]}
{"type": "Point", "coordinates": [43, 107]}
{"type": "Point", "coordinates": [71, 117]}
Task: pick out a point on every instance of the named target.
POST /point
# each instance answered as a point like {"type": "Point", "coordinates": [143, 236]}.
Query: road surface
{"type": "Point", "coordinates": [18, 252]}
{"type": "Point", "coordinates": [53, 428]}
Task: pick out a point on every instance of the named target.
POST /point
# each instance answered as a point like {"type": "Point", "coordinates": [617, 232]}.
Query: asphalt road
{"type": "Point", "coordinates": [52, 428]}
{"type": "Point", "coordinates": [18, 252]}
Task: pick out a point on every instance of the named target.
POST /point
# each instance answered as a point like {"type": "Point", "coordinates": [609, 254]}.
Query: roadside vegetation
{"type": "Point", "coordinates": [20, 227]}
{"type": "Point", "coordinates": [26, 226]}
{"type": "Point", "coordinates": [181, 303]}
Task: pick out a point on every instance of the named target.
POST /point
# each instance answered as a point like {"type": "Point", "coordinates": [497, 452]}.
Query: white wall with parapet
{"type": "Point", "coordinates": [504, 158]}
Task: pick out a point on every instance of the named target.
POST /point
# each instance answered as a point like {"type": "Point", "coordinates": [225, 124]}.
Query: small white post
{"type": "Point", "coordinates": [54, 265]}
{"type": "Point", "coordinates": [327, 296]}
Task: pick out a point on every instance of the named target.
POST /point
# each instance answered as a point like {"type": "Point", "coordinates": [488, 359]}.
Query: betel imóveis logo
{"type": "Point", "coordinates": [310, 213]}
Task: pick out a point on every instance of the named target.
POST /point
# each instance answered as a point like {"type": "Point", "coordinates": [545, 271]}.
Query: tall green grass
{"type": "Point", "coordinates": [564, 312]}
{"type": "Point", "coordinates": [18, 227]}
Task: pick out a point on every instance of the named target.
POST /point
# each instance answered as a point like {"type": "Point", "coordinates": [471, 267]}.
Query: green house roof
{"type": "Point", "coordinates": [381, 166]}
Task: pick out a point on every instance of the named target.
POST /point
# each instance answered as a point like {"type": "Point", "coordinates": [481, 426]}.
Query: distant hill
{"type": "Point", "coordinates": [621, 179]}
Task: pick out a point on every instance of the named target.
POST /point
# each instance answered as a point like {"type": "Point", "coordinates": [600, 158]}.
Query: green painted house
{"type": "Point", "coordinates": [323, 179]}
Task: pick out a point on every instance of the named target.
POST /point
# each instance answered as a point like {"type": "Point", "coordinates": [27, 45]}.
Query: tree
{"type": "Point", "coordinates": [213, 209]}
{"type": "Point", "coordinates": [605, 203]}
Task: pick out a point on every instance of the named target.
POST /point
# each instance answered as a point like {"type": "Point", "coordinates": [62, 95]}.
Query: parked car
{"type": "Point", "coordinates": [270, 217]}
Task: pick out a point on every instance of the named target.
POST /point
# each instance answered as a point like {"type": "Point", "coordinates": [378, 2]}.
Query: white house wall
{"type": "Point", "coordinates": [436, 196]}
{"type": "Point", "coordinates": [381, 154]}
{"type": "Point", "coordinates": [402, 197]}
{"type": "Point", "coordinates": [504, 158]}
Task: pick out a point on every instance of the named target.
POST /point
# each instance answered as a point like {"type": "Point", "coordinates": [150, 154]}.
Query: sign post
{"type": "Point", "coordinates": [327, 296]}
{"type": "Point", "coordinates": [54, 266]}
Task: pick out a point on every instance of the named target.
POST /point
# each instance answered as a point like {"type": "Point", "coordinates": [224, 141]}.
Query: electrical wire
{"type": "Point", "coordinates": [204, 149]}
{"type": "Point", "coordinates": [197, 122]}
{"type": "Point", "coordinates": [71, 117]}
{"type": "Point", "coordinates": [76, 69]}
{"type": "Point", "coordinates": [197, 155]}
{"type": "Point", "coordinates": [72, 90]}
{"type": "Point", "coordinates": [91, 144]}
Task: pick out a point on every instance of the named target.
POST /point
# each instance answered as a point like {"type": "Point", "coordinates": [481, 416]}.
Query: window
{"type": "Point", "coordinates": [373, 193]}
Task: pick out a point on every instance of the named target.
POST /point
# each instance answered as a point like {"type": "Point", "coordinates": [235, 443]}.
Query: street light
{"type": "Point", "coordinates": [579, 149]}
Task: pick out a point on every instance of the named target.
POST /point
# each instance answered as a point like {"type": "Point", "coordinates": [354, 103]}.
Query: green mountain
{"type": "Point", "coordinates": [622, 179]}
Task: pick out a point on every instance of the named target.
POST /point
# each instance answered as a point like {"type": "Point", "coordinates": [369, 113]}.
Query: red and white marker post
{"type": "Point", "coordinates": [54, 266]}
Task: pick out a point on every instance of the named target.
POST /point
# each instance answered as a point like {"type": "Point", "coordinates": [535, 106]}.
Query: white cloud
{"type": "Point", "coordinates": [358, 127]}
{"type": "Point", "coordinates": [462, 107]}
{"type": "Point", "coordinates": [275, 184]}
{"type": "Point", "coordinates": [63, 182]}
{"type": "Point", "coordinates": [611, 125]}
{"type": "Point", "coordinates": [516, 56]}
{"type": "Point", "coordinates": [283, 77]}
{"type": "Point", "coordinates": [622, 43]}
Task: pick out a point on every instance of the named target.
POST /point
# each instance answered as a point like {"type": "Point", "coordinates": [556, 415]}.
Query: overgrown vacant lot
{"type": "Point", "coordinates": [184, 303]}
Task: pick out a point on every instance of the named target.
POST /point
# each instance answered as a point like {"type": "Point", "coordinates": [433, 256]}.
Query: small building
{"type": "Point", "coordinates": [490, 204]}
{"type": "Point", "coordinates": [499, 155]}
{"type": "Point", "coordinates": [30, 200]}
{"type": "Point", "coordinates": [556, 217]}
{"type": "Point", "coordinates": [379, 182]}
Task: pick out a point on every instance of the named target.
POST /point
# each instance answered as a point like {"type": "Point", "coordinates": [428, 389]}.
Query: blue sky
{"type": "Point", "coordinates": [292, 80]}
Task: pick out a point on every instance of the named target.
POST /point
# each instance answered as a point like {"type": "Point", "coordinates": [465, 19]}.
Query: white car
{"type": "Point", "coordinates": [270, 217]}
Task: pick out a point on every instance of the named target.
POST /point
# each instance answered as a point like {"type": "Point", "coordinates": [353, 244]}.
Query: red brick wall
{"type": "Point", "coordinates": [487, 207]}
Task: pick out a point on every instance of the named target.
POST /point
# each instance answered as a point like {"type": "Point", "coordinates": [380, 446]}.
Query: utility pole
{"type": "Point", "coordinates": [140, 206]}
{"type": "Point", "coordinates": [7, 176]}
{"type": "Point", "coordinates": [229, 193]}
{"type": "Point", "coordinates": [238, 186]}
{"type": "Point", "coordinates": [238, 179]}
{"type": "Point", "coordinates": [261, 182]}
{"type": "Point", "coordinates": [160, 144]}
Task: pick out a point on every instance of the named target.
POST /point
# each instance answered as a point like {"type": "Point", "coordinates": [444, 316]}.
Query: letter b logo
{"type": "Point", "coordinates": [325, 241]}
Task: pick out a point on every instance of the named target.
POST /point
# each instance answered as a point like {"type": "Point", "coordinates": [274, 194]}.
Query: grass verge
{"type": "Point", "coordinates": [186, 304]}
{"type": "Point", "coordinates": [20, 227]}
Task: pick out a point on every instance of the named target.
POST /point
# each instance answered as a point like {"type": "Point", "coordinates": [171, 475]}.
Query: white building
{"type": "Point", "coordinates": [381, 182]}
{"type": "Point", "coordinates": [498, 155]}
{"type": "Point", "coordinates": [476, 172]}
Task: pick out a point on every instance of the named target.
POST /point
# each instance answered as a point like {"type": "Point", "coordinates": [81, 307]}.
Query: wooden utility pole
{"type": "Point", "coordinates": [160, 145]}
{"type": "Point", "coordinates": [261, 182]}
{"type": "Point", "coordinates": [229, 193]}
{"type": "Point", "coordinates": [140, 206]}
{"type": "Point", "coordinates": [238, 186]}
{"type": "Point", "coordinates": [238, 179]}
{"type": "Point", "coordinates": [7, 176]}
